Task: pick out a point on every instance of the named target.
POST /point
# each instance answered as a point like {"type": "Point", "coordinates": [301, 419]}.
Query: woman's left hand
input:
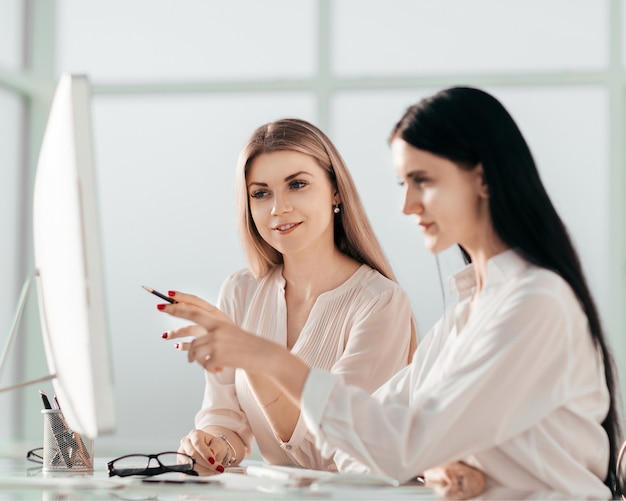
{"type": "Point", "coordinates": [455, 481]}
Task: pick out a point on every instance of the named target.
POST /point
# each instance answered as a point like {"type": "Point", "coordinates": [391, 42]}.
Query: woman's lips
{"type": "Point", "coordinates": [285, 228]}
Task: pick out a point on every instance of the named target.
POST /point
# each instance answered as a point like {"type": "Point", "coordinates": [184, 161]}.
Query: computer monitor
{"type": "Point", "coordinates": [68, 259]}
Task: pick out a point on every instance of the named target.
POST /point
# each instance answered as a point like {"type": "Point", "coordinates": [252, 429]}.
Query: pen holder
{"type": "Point", "coordinates": [63, 448]}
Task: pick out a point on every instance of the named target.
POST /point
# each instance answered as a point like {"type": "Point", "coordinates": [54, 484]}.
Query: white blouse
{"type": "Point", "coordinates": [515, 387]}
{"type": "Point", "coordinates": [361, 331]}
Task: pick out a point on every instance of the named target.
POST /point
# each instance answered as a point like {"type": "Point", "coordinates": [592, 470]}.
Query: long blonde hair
{"type": "Point", "coordinates": [353, 232]}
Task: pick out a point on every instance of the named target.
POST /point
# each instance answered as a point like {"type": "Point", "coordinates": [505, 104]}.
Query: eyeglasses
{"type": "Point", "coordinates": [139, 464]}
{"type": "Point", "coordinates": [35, 455]}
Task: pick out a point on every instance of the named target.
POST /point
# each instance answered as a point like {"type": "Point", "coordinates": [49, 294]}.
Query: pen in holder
{"type": "Point", "coordinates": [63, 448]}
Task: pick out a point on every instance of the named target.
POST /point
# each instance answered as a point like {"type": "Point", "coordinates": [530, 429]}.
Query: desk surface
{"type": "Point", "coordinates": [22, 480]}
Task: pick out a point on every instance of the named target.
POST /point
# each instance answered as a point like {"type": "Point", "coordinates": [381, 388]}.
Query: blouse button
{"type": "Point", "coordinates": [288, 447]}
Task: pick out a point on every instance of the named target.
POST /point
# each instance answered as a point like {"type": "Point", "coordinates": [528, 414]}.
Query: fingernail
{"type": "Point", "coordinates": [171, 293]}
{"type": "Point", "coordinates": [160, 306]}
{"type": "Point", "coordinates": [220, 468]}
{"type": "Point", "coordinates": [164, 335]}
{"type": "Point", "coordinates": [211, 460]}
{"type": "Point", "coordinates": [177, 346]}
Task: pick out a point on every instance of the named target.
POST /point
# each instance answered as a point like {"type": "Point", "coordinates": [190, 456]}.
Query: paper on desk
{"type": "Point", "coordinates": [317, 477]}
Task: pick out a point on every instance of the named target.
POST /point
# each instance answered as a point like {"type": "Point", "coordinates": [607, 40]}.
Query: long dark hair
{"type": "Point", "coordinates": [469, 126]}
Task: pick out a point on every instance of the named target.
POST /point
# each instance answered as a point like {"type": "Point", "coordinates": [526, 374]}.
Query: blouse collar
{"type": "Point", "coordinates": [359, 274]}
{"type": "Point", "coordinates": [500, 268]}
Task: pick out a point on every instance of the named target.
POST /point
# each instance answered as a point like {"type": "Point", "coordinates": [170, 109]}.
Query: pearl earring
{"type": "Point", "coordinates": [337, 210]}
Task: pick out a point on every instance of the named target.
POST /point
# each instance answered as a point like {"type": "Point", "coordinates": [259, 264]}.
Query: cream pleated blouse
{"type": "Point", "coordinates": [361, 331]}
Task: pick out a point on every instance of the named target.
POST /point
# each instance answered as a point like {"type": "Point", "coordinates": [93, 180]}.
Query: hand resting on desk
{"type": "Point", "coordinates": [210, 448]}
{"type": "Point", "coordinates": [455, 481]}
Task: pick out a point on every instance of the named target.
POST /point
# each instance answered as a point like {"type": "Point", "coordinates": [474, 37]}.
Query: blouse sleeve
{"type": "Point", "coordinates": [377, 347]}
{"type": "Point", "coordinates": [220, 405]}
{"type": "Point", "coordinates": [403, 429]}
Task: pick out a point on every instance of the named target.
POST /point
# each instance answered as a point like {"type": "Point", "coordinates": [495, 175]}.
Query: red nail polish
{"type": "Point", "coordinates": [177, 345]}
{"type": "Point", "coordinates": [160, 306]}
{"type": "Point", "coordinates": [164, 335]}
{"type": "Point", "coordinates": [220, 468]}
{"type": "Point", "coordinates": [212, 460]}
{"type": "Point", "coordinates": [171, 293]}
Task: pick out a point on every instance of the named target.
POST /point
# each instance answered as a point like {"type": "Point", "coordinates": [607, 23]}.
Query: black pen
{"type": "Point", "coordinates": [162, 296]}
{"type": "Point", "coordinates": [46, 402]}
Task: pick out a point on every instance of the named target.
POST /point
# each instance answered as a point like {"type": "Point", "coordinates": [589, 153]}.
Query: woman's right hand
{"type": "Point", "coordinates": [209, 451]}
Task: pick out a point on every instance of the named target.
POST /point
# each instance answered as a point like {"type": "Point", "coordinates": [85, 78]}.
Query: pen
{"type": "Point", "coordinates": [162, 296]}
{"type": "Point", "coordinates": [59, 455]}
{"type": "Point", "coordinates": [46, 402]}
{"type": "Point", "coordinates": [59, 431]}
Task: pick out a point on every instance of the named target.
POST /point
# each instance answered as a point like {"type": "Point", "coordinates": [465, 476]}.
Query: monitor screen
{"type": "Point", "coordinates": [68, 259]}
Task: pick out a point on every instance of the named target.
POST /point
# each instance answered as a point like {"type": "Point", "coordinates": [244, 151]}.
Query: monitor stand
{"type": "Point", "coordinates": [21, 302]}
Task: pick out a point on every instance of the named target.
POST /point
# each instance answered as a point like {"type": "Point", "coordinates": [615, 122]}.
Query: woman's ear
{"type": "Point", "coordinates": [336, 198]}
{"type": "Point", "coordinates": [482, 187]}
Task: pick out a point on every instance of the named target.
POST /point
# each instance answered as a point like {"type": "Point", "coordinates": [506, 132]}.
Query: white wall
{"type": "Point", "coordinates": [11, 34]}
{"type": "Point", "coordinates": [10, 190]}
{"type": "Point", "coordinates": [179, 86]}
{"type": "Point", "coordinates": [10, 56]}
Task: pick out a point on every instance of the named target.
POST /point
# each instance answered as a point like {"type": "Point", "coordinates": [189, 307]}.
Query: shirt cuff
{"type": "Point", "coordinates": [297, 437]}
{"type": "Point", "coordinates": [315, 396]}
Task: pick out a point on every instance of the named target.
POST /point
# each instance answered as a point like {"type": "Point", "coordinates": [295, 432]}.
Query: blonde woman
{"type": "Point", "coordinates": [318, 284]}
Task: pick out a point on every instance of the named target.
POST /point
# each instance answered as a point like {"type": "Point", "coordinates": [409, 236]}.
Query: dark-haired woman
{"type": "Point", "coordinates": [516, 379]}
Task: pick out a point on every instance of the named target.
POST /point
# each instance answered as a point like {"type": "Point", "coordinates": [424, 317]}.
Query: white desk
{"type": "Point", "coordinates": [21, 480]}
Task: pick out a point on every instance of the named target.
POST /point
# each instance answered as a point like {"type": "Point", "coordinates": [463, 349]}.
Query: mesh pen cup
{"type": "Point", "coordinates": [63, 448]}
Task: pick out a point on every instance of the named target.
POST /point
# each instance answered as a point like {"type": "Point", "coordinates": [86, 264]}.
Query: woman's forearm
{"type": "Point", "coordinates": [280, 410]}
{"type": "Point", "coordinates": [289, 373]}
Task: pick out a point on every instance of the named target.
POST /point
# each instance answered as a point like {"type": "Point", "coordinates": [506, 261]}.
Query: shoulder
{"type": "Point", "coordinates": [245, 278]}
{"type": "Point", "coordinates": [242, 283]}
{"type": "Point", "coordinates": [519, 280]}
{"type": "Point", "coordinates": [540, 284]}
{"type": "Point", "coordinates": [239, 278]}
{"type": "Point", "coordinates": [240, 289]}
{"type": "Point", "coordinates": [370, 279]}
{"type": "Point", "coordinates": [374, 286]}
{"type": "Point", "coordinates": [537, 302]}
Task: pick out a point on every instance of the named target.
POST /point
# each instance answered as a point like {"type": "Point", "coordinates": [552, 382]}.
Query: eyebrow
{"type": "Point", "coordinates": [288, 178]}
{"type": "Point", "coordinates": [416, 172]}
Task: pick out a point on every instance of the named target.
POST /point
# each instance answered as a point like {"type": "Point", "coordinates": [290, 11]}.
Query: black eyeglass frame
{"type": "Point", "coordinates": [150, 471]}
{"type": "Point", "coordinates": [35, 455]}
